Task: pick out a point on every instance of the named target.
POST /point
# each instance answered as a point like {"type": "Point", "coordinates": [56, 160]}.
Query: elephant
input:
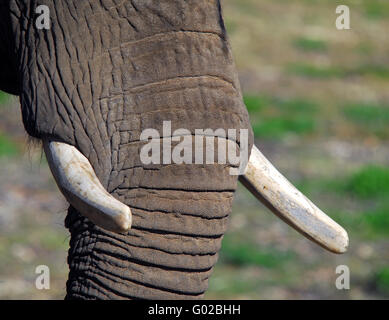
{"type": "Point", "coordinates": [89, 85]}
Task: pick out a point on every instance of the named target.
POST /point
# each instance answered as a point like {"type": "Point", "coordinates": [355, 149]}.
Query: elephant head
{"type": "Point", "coordinates": [105, 71]}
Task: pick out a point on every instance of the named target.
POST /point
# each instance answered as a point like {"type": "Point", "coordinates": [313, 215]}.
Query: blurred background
{"type": "Point", "coordinates": [318, 98]}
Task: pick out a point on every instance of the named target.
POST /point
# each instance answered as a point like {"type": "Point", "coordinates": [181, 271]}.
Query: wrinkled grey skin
{"type": "Point", "coordinates": [105, 71]}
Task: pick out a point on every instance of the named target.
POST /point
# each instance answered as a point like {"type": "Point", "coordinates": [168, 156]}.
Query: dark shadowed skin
{"type": "Point", "coordinates": [105, 71]}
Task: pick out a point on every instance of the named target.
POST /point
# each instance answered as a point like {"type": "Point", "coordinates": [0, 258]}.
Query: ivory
{"type": "Point", "coordinates": [289, 204]}
{"type": "Point", "coordinates": [79, 184]}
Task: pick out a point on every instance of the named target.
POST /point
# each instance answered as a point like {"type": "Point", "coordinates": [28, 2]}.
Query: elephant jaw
{"type": "Point", "coordinates": [81, 187]}
{"type": "Point", "coordinates": [79, 184]}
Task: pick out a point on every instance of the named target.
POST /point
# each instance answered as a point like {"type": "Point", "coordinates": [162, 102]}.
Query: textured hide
{"type": "Point", "coordinates": [105, 71]}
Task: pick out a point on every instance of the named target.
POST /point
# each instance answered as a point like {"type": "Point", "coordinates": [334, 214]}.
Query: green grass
{"type": "Point", "coordinates": [4, 97]}
{"type": "Point", "coordinates": [369, 118]}
{"type": "Point", "coordinates": [370, 181]}
{"type": "Point", "coordinates": [297, 105]}
{"type": "Point", "coordinates": [369, 189]}
{"type": "Point", "coordinates": [365, 48]}
{"type": "Point", "coordinates": [326, 72]}
{"type": "Point", "coordinates": [247, 7]}
{"type": "Point", "coordinates": [312, 71]}
{"type": "Point", "coordinates": [277, 127]}
{"type": "Point", "coordinates": [376, 9]}
{"type": "Point", "coordinates": [306, 44]}
{"type": "Point", "coordinates": [273, 117]}
{"type": "Point", "coordinates": [255, 103]}
{"type": "Point", "coordinates": [362, 113]}
{"type": "Point", "coordinates": [7, 147]}
{"type": "Point", "coordinates": [377, 221]}
{"type": "Point", "coordinates": [369, 224]}
{"type": "Point", "coordinates": [236, 253]}
{"type": "Point", "coordinates": [51, 240]}
{"type": "Point", "coordinates": [223, 278]}
{"type": "Point", "coordinates": [230, 25]}
{"type": "Point", "coordinates": [371, 69]}
{"type": "Point", "coordinates": [382, 280]}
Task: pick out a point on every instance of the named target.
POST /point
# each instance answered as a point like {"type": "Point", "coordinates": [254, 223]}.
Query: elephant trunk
{"type": "Point", "coordinates": [105, 72]}
{"type": "Point", "coordinates": [171, 248]}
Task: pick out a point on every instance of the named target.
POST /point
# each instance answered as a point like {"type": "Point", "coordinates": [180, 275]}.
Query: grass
{"type": "Point", "coordinates": [236, 253]}
{"type": "Point", "coordinates": [306, 44]}
{"type": "Point", "coordinates": [376, 9]}
{"type": "Point", "coordinates": [278, 127]}
{"type": "Point", "coordinates": [368, 118]}
{"type": "Point", "coordinates": [4, 97]}
{"type": "Point", "coordinates": [221, 279]}
{"type": "Point", "coordinates": [313, 71]}
{"type": "Point", "coordinates": [297, 105]}
{"type": "Point", "coordinates": [255, 103]}
{"type": "Point", "coordinates": [377, 221]}
{"type": "Point", "coordinates": [367, 225]}
{"type": "Point", "coordinates": [370, 69]}
{"type": "Point", "coordinates": [369, 189]}
{"type": "Point", "coordinates": [370, 223]}
{"type": "Point", "coordinates": [368, 182]}
{"type": "Point", "coordinates": [7, 147]}
{"type": "Point", "coordinates": [333, 71]}
{"type": "Point", "coordinates": [247, 7]}
{"type": "Point", "coordinates": [362, 113]}
{"type": "Point", "coordinates": [230, 25]}
{"type": "Point", "coordinates": [382, 280]}
{"type": "Point", "coordinates": [51, 240]}
{"type": "Point", "coordinates": [274, 117]}
{"type": "Point", "coordinates": [262, 46]}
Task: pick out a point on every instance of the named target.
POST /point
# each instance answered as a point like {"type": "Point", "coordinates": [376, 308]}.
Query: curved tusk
{"type": "Point", "coordinates": [281, 197]}
{"type": "Point", "coordinates": [79, 184]}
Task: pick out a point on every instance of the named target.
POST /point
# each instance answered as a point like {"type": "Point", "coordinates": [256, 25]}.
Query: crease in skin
{"type": "Point", "coordinates": [79, 184]}
{"type": "Point", "coordinates": [71, 78]}
{"type": "Point", "coordinates": [289, 204]}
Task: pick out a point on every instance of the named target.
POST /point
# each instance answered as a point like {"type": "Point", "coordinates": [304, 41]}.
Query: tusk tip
{"type": "Point", "coordinates": [123, 221]}
{"type": "Point", "coordinates": [342, 243]}
{"type": "Point", "coordinates": [79, 184]}
{"type": "Point", "coordinates": [283, 199]}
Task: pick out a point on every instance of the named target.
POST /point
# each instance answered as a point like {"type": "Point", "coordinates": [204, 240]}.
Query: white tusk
{"type": "Point", "coordinates": [79, 184]}
{"type": "Point", "coordinates": [279, 195]}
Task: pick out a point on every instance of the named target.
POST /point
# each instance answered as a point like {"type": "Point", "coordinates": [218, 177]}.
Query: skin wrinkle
{"type": "Point", "coordinates": [93, 142]}
{"type": "Point", "coordinates": [140, 248]}
{"type": "Point", "coordinates": [178, 233]}
{"type": "Point", "coordinates": [135, 262]}
{"type": "Point", "coordinates": [136, 275]}
{"type": "Point", "coordinates": [154, 241]}
{"type": "Point", "coordinates": [96, 255]}
{"type": "Point", "coordinates": [216, 137]}
{"type": "Point", "coordinates": [118, 243]}
{"type": "Point", "coordinates": [207, 224]}
{"type": "Point", "coordinates": [180, 213]}
{"type": "Point", "coordinates": [152, 292]}
{"type": "Point", "coordinates": [181, 190]}
{"type": "Point", "coordinates": [156, 36]}
{"type": "Point", "coordinates": [106, 71]}
{"type": "Point", "coordinates": [179, 78]}
{"type": "Point", "coordinates": [175, 90]}
{"type": "Point", "coordinates": [174, 205]}
{"type": "Point", "coordinates": [42, 67]}
{"type": "Point", "coordinates": [80, 112]}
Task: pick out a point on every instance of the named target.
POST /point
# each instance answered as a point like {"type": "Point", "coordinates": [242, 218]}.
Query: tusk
{"type": "Point", "coordinates": [79, 184]}
{"type": "Point", "coordinates": [280, 196]}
